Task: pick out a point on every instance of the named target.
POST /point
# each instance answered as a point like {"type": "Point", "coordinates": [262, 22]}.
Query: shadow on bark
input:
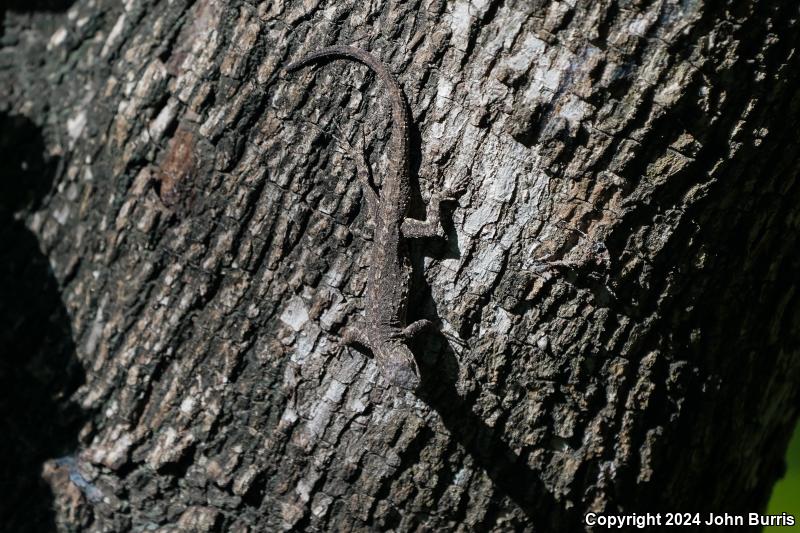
{"type": "Point", "coordinates": [38, 367]}
{"type": "Point", "coordinates": [509, 472]}
{"type": "Point", "coordinates": [25, 6]}
{"type": "Point", "coordinates": [30, 6]}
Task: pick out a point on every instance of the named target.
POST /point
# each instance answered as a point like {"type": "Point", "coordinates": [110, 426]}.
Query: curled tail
{"type": "Point", "coordinates": [399, 116]}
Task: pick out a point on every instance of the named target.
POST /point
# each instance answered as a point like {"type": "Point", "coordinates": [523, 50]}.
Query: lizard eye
{"type": "Point", "coordinates": [400, 368]}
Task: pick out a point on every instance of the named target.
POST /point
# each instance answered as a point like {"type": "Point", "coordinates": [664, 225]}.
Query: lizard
{"type": "Point", "coordinates": [386, 333]}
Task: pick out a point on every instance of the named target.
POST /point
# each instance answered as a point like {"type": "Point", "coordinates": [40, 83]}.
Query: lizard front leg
{"type": "Point", "coordinates": [357, 338]}
{"type": "Point", "coordinates": [431, 226]}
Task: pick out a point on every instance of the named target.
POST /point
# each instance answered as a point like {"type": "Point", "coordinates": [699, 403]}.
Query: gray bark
{"type": "Point", "coordinates": [616, 300]}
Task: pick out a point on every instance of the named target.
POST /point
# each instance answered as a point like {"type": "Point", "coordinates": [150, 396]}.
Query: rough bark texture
{"type": "Point", "coordinates": [617, 300]}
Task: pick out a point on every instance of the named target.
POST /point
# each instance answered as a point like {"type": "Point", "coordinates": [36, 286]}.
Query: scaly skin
{"type": "Point", "coordinates": [385, 332]}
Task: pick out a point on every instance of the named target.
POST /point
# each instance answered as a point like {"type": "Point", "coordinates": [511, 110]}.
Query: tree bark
{"type": "Point", "coordinates": [616, 299]}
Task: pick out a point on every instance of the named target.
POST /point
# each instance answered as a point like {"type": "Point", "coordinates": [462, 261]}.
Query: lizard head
{"type": "Point", "coordinates": [398, 366]}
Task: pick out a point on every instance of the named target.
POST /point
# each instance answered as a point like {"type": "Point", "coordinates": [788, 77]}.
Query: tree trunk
{"type": "Point", "coordinates": [615, 299]}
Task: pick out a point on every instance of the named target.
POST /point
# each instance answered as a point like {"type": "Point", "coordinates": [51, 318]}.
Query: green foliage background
{"type": "Point", "coordinates": [786, 494]}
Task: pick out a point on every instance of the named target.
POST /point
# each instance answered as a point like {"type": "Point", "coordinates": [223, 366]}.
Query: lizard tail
{"type": "Point", "coordinates": [399, 114]}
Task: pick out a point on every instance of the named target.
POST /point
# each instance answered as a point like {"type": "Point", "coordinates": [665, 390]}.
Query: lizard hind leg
{"type": "Point", "coordinates": [395, 360]}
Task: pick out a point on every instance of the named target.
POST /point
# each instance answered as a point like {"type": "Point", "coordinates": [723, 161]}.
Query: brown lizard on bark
{"type": "Point", "coordinates": [385, 332]}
